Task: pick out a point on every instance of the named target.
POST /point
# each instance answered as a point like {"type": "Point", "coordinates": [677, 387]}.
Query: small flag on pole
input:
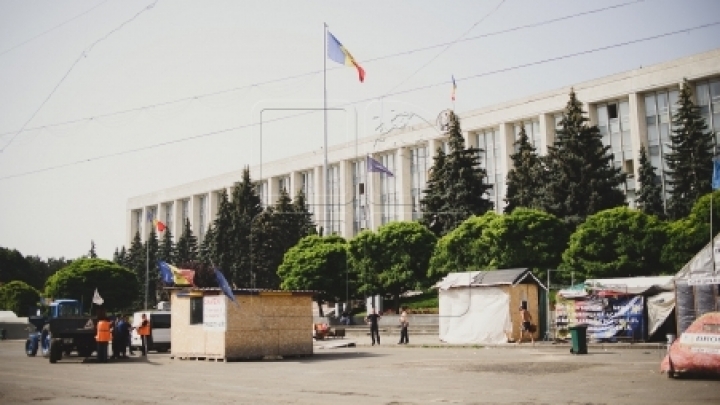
{"type": "Point", "coordinates": [166, 274]}
{"type": "Point", "coordinates": [149, 216]}
{"type": "Point", "coordinates": [159, 225]}
{"type": "Point", "coordinates": [224, 286]}
{"type": "Point", "coordinates": [454, 88]}
{"type": "Point", "coordinates": [716, 174]}
{"type": "Point", "coordinates": [337, 53]}
{"type": "Point", "coordinates": [97, 299]}
{"type": "Point", "coordinates": [375, 166]}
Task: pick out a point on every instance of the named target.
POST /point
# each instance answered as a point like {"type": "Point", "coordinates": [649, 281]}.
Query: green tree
{"type": "Point", "coordinates": [206, 251]}
{"type": "Point", "coordinates": [405, 249]}
{"type": "Point", "coordinates": [186, 249]}
{"type": "Point", "coordinates": [152, 250]}
{"type": "Point", "coordinates": [223, 240]}
{"type": "Point", "coordinates": [456, 188]}
{"type": "Point", "coordinates": [687, 236]}
{"type": "Point", "coordinates": [246, 205]}
{"type": "Point", "coordinates": [462, 249]}
{"type": "Point", "coordinates": [364, 262]}
{"type": "Point", "coordinates": [19, 297]}
{"type": "Point", "coordinates": [524, 238]}
{"type": "Point", "coordinates": [79, 280]}
{"type": "Point", "coordinates": [121, 257]}
{"type": "Point", "coordinates": [689, 161]}
{"type": "Point", "coordinates": [316, 263]}
{"type": "Point", "coordinates": [580, 178]}
{"type": "Point", "coordinates": [649, 198]}
{"type": "Point", "coordinates": [525, 179]}
{"type": "Point", "coordinates": [303, 218]}
{"type": "Point", "coordinates": [619, 242]}
{"type": "Point", "coordinates": [14, 267]}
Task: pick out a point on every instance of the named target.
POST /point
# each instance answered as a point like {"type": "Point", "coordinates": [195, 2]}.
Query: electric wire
{"type": "Point", "coordinates": [249, 125]}
{"type": "Point", "coordinates": [301, 75]}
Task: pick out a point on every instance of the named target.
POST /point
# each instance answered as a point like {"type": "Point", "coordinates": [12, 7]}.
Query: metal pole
{"type": "Point", "coordinates": [147, 267]}
{"type": "Point", "coordinates": [547, 305]}
{"type": "Point", "coordinates": [325, 142]}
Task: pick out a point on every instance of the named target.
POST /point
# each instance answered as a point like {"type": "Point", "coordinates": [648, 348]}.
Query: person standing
{"type": "Point", "coordinates": [102, 337]}
{"type": "Point", "coordinates": [128, 335]}
{"type": "Point", "coordinates": [122, 334]}
{"type": "Point", "coordinates": [404, 323]}
{"type": "Point", "coordinates": [115, 332]}
{"type": "Point", "coordinates": [143, 331]}
{"type": "Point", "coordinates": [526, 319]}
{"type": "Point", "coordinates": [372, 319]}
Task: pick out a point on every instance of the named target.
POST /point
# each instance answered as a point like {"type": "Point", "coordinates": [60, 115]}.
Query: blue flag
{"type": "Point", "coordinates": [224, 286]}
{"type": "Point", "coordinates": [716, 174]}
{"type": "Point", "coordinates": [375, 166]}
{"type": "Point", "coordinates": [166, 274]}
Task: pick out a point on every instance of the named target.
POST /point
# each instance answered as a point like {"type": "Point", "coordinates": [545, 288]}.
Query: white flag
{"type": "Point", "coordinates": [97, 299]}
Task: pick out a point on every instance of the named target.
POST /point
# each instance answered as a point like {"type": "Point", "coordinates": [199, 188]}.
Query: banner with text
{"type": "Point", "coordinates": [214, 313]}
{"type": "Point", "coordinates": [606, 317]}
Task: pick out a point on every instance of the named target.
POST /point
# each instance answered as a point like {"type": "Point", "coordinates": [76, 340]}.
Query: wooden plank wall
{"type": "Point", "coordinates": [517, 293]}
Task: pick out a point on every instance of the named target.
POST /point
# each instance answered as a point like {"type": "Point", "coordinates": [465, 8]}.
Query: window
{"type": "Point", "coordinates": [185, 213]}
{"type": "Point", "coordinates": [418, 172]}
{"type": "Point", "coordinates": [196, 311]}
{"type": "Point", "coordinates": [168, 215]}
{"type": "Point", "coordinates": [334, 221]}
{"type": "Point", "coordinates": [262, 192]}
{"type": "Point", "coordinates": [489, 157]}
{"type": "Point", "coordinates": [532, 129]}
{"type": "Point", "coordinates": [614, 125]}
{"type": "Point", "coordinates": [388, 195]}
{"type": "Point", "coordinates": [659, 107]}
{"type": "Point", "coordinates": [161, 321]}
{"type": "Point", "coordinates": [360, 197]}
{"type": "Point", "coordinates": [707, 94]}
{"type": "Point", "coordinates": [308, 190]}
{"type": "Point", "coordinates": [284, 184]}
{"type": "Point", "coordinates": [202, 200]}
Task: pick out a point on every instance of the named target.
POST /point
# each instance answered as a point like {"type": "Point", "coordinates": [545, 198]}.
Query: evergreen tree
{"type": "Point", "coordinates": [116, 256]}
{"type": "Point", "coordinates": [580, 177]}
{"type": "Point", "coordinates": [167, 247]}
{"type": "Point", "coordinates": [122, 257]}
{"type": "Point", "coordinates": [456, 189]}
{"type": "Point", "coordinates": [690, 159]}
{"type": "Point", "coordinates": [206, 252]}
{"type": "Point", "coordinates": [303, 218]}
{"type": "Point", "coordinates": [223, 240]}
{"type": "Point", "coordinates": [91, 253]}
{"type": "Point", "coordinates": [649, 199]}
{"type": "Point", "coordinates": [246, 205]}
{"type": "Point", "coordinates": [186, 249]}
{"type": "Point", "coordinates": [135, 261]}
{"type": "Point", "coordinates": [524, 180]}
{"type": "Point", "coordinates": [152, 249]}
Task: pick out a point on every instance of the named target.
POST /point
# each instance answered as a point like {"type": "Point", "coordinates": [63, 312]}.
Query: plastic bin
{"type": "Point", "coordinates": [578, 336]}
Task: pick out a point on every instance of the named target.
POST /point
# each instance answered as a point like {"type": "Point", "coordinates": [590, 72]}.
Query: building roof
{"type": "Point", "coordinates": [486, 278]}
{"type": "Point", "coordinates": [244, 291]}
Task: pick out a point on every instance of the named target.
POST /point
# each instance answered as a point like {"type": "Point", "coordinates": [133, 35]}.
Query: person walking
{"type": "Point", "coordinates": [526, 319]}
{"type": "Point", "coordinates": [103, 337]}
{"type": "Point", "coordinates": [404, 323]}
{"type": "Point", "coordinates": [144, 331]}
{"type": "Point", "coordinates": [372, 319]}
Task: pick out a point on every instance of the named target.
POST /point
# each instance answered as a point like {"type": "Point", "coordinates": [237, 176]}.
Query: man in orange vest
{"type": "Point", "coordinates": [144, 331]}
{"type": "Point", "coordinates": [103, 337]}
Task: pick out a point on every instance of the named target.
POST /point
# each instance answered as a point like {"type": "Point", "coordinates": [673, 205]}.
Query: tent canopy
{"type": "Point", "coordinates": [632, 285]}
{"type": "Point", "coordinates": [486, 278]}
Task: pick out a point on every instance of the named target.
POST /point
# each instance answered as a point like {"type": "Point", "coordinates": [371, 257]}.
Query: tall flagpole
{"type": "Point", "coordinates": [325, 142]}
{"type": "Point", "coordinates": [147, 266]}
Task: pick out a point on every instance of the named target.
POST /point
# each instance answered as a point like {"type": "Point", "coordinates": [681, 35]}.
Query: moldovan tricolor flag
{"type": "Point", "coordinates": [160, 225]}
{"type": "Point", "coordinates": [337, 52]}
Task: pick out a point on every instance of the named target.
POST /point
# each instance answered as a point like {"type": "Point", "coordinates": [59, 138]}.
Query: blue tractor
{"type": "Point", "coordinates": [63, 330]}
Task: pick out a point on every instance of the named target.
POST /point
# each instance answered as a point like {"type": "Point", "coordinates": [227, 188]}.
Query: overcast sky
{"type": "Point", "coordinates": [103, 100]}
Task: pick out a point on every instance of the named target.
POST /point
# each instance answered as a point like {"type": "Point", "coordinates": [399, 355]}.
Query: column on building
{"type": "Point", "coordinates": [506, 138]}
{"type": "Point", "coordinates": [213, 205]}
{"type": "Point", "coordinates": [403, 184]}
{"type": "Point", "coordinates": [433, 145]}
{"type": "Point", "coordinates": [346, 198]}
{"type": "Point", "coordinates": [183, 210]}
{"type": "Point", "coordinates": [196, 212]}
{"type": "Point", "coordinates": [319, 198]}
{"type": "Point", "coordinates": [295, 184]}
{"type": "Point", "coordinates": [638, 129]}
{"type": "Point", "coordinates": [131, 225]}
{"type": "Point", "coordinates": [273, 193]}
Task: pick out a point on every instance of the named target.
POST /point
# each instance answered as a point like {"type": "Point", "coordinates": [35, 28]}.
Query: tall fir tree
{"type": "Point", "coordinates": [135, 261]}
{"type": "Point", "coordinates": [152, 251]}
{"type": "Point", "coordinates": [206, 251]}
{"type": "Point", "coordinates": [246, 205]}
{"type": "Point", "coordinates": [456, 188]}
{"type": "Point", "coordinates": [223, 238]}
{"type": "Point", "coordinates": [91, 253]}
{"type": "Point", "coordinates": [580, 177]}
{"type": "Point", "coordinates": [303, 218]}
{"type": "Point", "coordinates": [116, 256]}
{"type": "Point", "coordinates": [649, 197]}
{"type": "Point", "coordinates": [122, 257]}
{"type": "Point", "coordinates": [690, 159]}
{"type": "Point", "coordinates": [186, 249]}
{"type": "Point", "coordinates": [167, 247]}
{"type": "Point", "coordinates": [525, 179]}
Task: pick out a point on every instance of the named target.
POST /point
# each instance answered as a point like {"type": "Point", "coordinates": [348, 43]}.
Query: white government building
{"type": "Point", "coordinates": [631, 109]}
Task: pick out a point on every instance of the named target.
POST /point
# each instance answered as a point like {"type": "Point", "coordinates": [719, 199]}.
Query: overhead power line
{"type": "Point", "coordinates": [489, 73]}
{"type": "Point", "coordinates": [301, 75]}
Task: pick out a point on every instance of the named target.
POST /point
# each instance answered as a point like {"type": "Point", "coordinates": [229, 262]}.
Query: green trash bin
{"type": "Point", "coordinates": [578, 335]}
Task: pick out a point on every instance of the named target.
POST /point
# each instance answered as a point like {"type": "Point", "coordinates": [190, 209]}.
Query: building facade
{"type": "Point", "coordinates": [631, 109]}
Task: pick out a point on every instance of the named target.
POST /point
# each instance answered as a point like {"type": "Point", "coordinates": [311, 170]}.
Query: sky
{"type": "Point", "coordinates": [104, 100]}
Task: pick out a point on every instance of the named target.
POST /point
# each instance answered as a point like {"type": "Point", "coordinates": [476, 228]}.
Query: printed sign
{"type": "Point", "coordinates": [700, 339]}
{"type": "Point", "coordinates": [214, 313]}
{"type": "Point", "coordinates": [605, 317]}
{"type": "Point", "coordinates": [703, 280]}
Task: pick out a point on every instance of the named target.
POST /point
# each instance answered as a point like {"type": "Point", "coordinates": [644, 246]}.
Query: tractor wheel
{"type": "Point", "coordinates": [30, 348]}
{"type": "Point", "coordinates": [55, 350]}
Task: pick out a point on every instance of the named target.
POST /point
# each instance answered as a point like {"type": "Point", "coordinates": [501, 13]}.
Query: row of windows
{"type": "Point", "coordinates": [613, 121]}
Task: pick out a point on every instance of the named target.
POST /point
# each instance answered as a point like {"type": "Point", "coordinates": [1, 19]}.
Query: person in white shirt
{"type": "Point", "coordinates": [404, 327]}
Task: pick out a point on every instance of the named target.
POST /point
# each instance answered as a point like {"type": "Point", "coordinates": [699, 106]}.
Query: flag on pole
{"type": "Point", "coordinates": [172, 275]}
{"type": "Point", "coordinates": [375, 166]}
{"type": "Point", "coordinates": [224, 286]}
{"type": "Point", "coordinates": [716, 174]}
{"type": "Point", "coordinates": [97, 299]}
{"type": "Point", "coordinates": [166, 274]}
{"type": "Point", "coordinates": [159, 225]}
{"type": "Point", "coordinates": [337, 53]}
{"type": "Point", "coordinates": [454, 88]}
{"type": "Point", "coordinates": [149, 216]}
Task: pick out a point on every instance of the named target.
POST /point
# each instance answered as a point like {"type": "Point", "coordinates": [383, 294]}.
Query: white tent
{"type": "Point", "coordinates": [480, 306]}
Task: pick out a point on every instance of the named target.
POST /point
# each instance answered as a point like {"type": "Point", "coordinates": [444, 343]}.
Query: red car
{"type": "Point", "coordinates": [698, 349]}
